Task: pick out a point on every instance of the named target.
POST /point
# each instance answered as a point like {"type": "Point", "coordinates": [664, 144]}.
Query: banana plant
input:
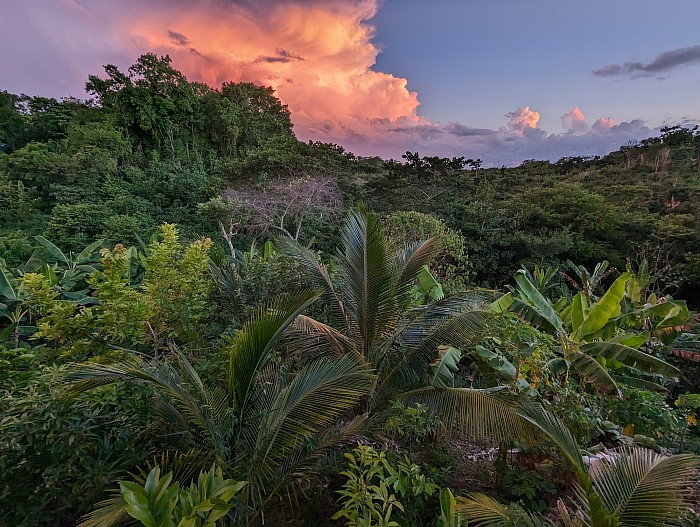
{"type": "Point", "coordinates": [590, 281]}
{"type": "Point", "coordinates": [587, 333]}
{"type": "Point", "coordinates": [68, 270]}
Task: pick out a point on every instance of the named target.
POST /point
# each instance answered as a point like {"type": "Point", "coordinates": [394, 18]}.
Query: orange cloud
{"type": "Point", "coordinates": [317, 55]}
{"type": "Point", "coordinates": [574, 121]}
{"type": "Point", "coordinates": [522, 119]}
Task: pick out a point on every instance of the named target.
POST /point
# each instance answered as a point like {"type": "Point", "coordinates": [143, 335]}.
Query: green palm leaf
{"type": "Point", "coordinates": [190, 402]}
{"type": "Point", "coordinates": [458, 320]}
{"type": "Point", "coordinates": [368, 278]}
{"type": "Point", "coordinates": [646, 489]}
{"type": "Point", "coordinates": [251, 348]}
{"type": "Point", "coordinates": [320, 277]}
{"type": "Point", "coordinates": [479, 510]}
{"type": "Point", "coordinates": [490, 412]}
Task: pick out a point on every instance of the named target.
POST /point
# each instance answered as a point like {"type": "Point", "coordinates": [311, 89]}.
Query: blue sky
{"type": "Point", "coordinates": [503, 80]}
{"type": "Point", "coordinates": [474, 61]}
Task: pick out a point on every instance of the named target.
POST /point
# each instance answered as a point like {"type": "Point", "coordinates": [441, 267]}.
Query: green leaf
{"type": "Point", "coordinates": [251, 348]}
{"type": "Point", "coordinates": [6, 288]}
{"type": "Point", "coordinates": [579, 310]}
{"type": "Point", "coordinates": [538, 302]}
{"type": "Point", "coordinates": [445, 366]}
{"type": "Point", "coordinates": [54, 251]}
{"type": "Point", "coordinates": [86, 254]}
{"type": "Point", "coordinates": [498, 362]}
{"type": "Point", "coordinates": [632, 340]}
{"type": "Point", "coordinates": [429, 285]}
{"type": "Point", "coordinates": [630, 356]}
{"type": "Point", "coordinates": [607, 307]}
{"type": "Point", "coordinates": [503, 303]}
{"type": "Point", "coordinates": [593, 372]}
{"type": "Point", "coordinates": [646, 489]}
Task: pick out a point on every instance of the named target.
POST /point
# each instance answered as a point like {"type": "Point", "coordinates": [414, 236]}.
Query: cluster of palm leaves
{"type": "Point", "coordinates": [295, 387]}
{"type": "Point", "coordinates": [638, 488]}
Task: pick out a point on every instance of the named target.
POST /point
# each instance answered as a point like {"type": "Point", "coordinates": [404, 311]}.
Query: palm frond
{"type": "Point", "coordinates": [317, 395]}
{"type": "Point", "coordinates": [368, 278]}
{"type": "Point", "coordinates": [320, 277]}
{"type": "Point", "coordinates": [580, 513]}
{"type": "Point", "coordinates": [277, 437]}
{"type": "Point", "coordinates": [251, 348]}
{"type": "Point", "coordinates": [311, 340]}
{"type": "Point", "coordinates": [188, 395]}
{"type": "Point", "coordinates": [557, 432]}
{"type": "Point", "coordinates": [479, 510]}
{"type": "Point", "coordinates": [303, 460]}
{"type": "Point", "coordinates": [457, 321]}
{"type": "Point", "coordinates": [409, 264]}
{"type": "Point", "coordinates": [107, 513]}
{"type": "Point", "coordinates": [490, 413]}
{"type": "Point", "coordinates": [644, 488]}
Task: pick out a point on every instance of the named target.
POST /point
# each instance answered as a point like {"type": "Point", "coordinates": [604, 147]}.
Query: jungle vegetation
{"type": "Point", "coordinates": [205, 321]}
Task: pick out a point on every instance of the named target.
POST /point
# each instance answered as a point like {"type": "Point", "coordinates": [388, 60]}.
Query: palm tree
{"type": "Point", "coordinates": [372, 318]}
{"type": "Point", "coordinates": [639, 488]}
{"type": "Point", "coordinates": [264, 425]}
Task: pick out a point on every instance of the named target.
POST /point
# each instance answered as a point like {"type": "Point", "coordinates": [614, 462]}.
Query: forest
{"type": "Point", "coordinates": [205, 321]}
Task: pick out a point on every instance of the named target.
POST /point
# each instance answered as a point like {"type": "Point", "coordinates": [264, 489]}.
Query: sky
{"type": "Point", "coordinates": [499, 80]}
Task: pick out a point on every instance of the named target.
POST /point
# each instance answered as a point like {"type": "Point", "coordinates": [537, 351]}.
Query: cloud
{"type": "Point", "coordinates": [522, 120]}
{"type": "Point", "coordinates": [665, 62]}
{"type": "Point", "coordinates": [603, 124]}
{"type": "Point", "coordinates": [178, 38]}
{"type": "Point", "coordinates": [574, 121]}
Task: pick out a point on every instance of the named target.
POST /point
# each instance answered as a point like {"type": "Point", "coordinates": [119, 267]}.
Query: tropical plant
{"type": "Point", "coordinates": [636, 488]}
{"type": "Point", "coordinates": [371, 319]}
{"type": "Point", "coordinates": [375, 486]}
{"type": "Point", "coordinates": [266, 423]}
{"type": "Point", "coordinates": [160, 502]}
{"type": "Point", "coordinates": [588, 334]}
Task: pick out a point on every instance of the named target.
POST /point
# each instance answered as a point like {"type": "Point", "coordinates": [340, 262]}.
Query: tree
{"type": "Point", "coordinates": [587, 333]}
{"type": "Point", "coordinates": [283, 205]}
{"type": "Point", "coordinates": [371, 319]}
{"type": "Point", "coordinates": [638, 488]}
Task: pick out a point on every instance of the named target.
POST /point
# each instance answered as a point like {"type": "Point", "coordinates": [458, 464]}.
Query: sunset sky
{"type": "Point", "coordinates": [503, 80]}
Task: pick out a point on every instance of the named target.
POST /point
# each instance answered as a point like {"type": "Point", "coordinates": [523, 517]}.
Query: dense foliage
{"type": "Point", "coordinates": [202, 322]}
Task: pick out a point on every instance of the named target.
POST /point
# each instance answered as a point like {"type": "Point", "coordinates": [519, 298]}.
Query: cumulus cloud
{"type": "Point", "coordinates": [665, 62]}
{"type": "Point", "coordinates": [521, 120]}
{"type": "Point", "coordinates": [574, 122]}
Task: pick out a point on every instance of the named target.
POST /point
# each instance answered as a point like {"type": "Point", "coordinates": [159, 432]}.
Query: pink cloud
{"type": "Point", "coordinates": [522, 119]}
{"type": "Point", "coordinates": [574, 121]}
{"type": "Point", "coordinates": [603, 124]}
